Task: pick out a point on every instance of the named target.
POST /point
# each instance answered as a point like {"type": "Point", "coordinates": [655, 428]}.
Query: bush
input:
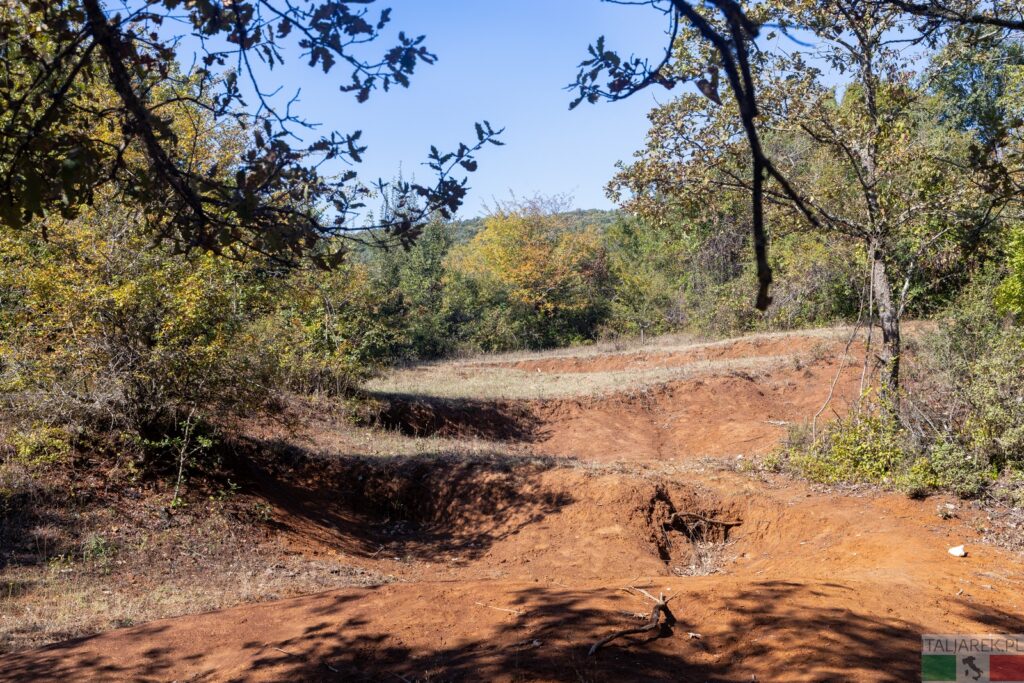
{"type": "Point", "coordinates": [971, 378]}
{"type": "Point", "coordinates": [103, 333]}
{"type": "Point", "coordinates": [961, 428]}
{"type": "Point", "coordinates": [531, 278]}
{"type": "Point", "coordinates": [409, 285]}
{"type": "Point", "coordinates": [1010, 292]}
{"type": "Point", "coordinates": [41, 444]}
{"type": "Point", "coordinates": [98, 325]}
{"type": "Point", "coordinates": [871, 445]}
{"type": "Point", "coordinates": [947, 466]}
{"type": "Point", "coordinates": [686, 276]}
{"type": "Point", "coordinates": [647, 264]}
{"type": "Point", "coordinates": [868, 446]}
{"type": "Point", "coordinates": [326, 331]}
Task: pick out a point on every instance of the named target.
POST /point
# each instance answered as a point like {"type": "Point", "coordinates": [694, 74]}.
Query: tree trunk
{"type": "Point", "coordinates": [890, 323]}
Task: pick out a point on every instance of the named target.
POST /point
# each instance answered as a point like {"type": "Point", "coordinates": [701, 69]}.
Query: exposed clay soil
{"type": "Point", "coordinates": [510, 563]}
{"type": "Point", "coordinates": [755, 347]}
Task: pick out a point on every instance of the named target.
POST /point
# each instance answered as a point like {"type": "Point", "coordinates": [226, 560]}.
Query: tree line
{"type": "Point", "coordinates": [168, 246]}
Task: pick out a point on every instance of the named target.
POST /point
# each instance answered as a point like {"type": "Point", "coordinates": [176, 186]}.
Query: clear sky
{"type": "Point", "coordinates": [506, 61]}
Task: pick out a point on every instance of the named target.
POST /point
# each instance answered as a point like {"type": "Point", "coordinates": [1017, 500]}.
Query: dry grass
{"type": "Point", "coordinates": [502, 383]}
{"type": "Point", "coordinates": [88, 551]}
{"type": "Point", "coordinates": [321, 427]}
{"type": "Point", "coordinates": [621, 346]}
{"type": "Point", "coordinates": [69, 597]}
{"type": "Point", "coordinates": [495, 380]}
{"type": "Point", "coordinates": [668, 343]}
{"type": "Point", "coordinates": [707, 557]}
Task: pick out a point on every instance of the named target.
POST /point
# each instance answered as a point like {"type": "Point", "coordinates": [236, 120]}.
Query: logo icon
{"type": "Point", "coordinates": [969, 658]}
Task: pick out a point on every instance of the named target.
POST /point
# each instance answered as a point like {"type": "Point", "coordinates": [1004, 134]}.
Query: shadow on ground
{"type": "Point", "coordinates": [420, 415]}
{"type": "Point", "coordinates": [429, 505]}
{"type": "Point", "coordinates": [767, 630]}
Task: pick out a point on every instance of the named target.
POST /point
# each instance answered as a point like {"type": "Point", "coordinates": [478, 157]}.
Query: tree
{"type": "Point", "coordinates": [646, 262]}
{"type": "Point", "coordinates": [939, 14]}
{"type": "Point", "coordinates": [871, 165]}
{"type": "Point", "coordinates": [729, 29]}
{"type": "Point", "coordinates": [97, 327]}
{"type": "Point", "coordinates": [530, 278]}
{"type": "Point", "coordinates": [61, 145]}
{"type": "Point", "coordinates": [411, 283]}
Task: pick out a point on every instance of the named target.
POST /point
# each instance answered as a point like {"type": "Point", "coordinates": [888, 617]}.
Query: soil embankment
{"type": "Point", "coordinates": [509, 564]}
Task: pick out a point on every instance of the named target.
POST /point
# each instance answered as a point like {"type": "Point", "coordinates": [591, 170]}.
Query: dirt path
{"type": "Point", "coordinates": [510, 567]}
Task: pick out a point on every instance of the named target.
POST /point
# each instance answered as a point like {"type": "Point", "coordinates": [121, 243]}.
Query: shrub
{"type": "Point", "coordinates": [104, 332]}
{"type": "Point", "coordinates": [531, 278]}
{"type": "Point", "coordinates": [971, 378]}
{"type": "Point", "coordinates": [40, 444]}
{"type": "Point", "coordinates": [961, 428]}
{"type": "Point", "coordinates": [326, 331]}
{"type": "Point", "coordinates": [1010, 292]}
{"type": "Point", "coordinates": [868, 445]}
{"type": "Point", "coordinates": [98, 325]}
{"type": "Point", "coordinates": [684, 275]}
{"type": "Point", "coordinates": [947, 466]}
{"type": "Point", "coordinates": [409, 286]}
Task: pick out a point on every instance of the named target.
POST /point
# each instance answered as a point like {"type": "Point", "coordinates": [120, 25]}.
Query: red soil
{"type": "Point", "coordinates": [753, 347]}
{"type": "Point", "coordinates": [509, 568]}
{"type": "Point", "coordinates": [716, 415]}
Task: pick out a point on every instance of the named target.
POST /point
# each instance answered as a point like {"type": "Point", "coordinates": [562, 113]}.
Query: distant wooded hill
{"type": "Point", "coordinates": [603, 219]}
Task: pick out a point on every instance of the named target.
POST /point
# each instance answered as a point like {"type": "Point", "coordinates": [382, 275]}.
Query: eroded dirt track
{"type": "Point", "coordinates": [510, 565]}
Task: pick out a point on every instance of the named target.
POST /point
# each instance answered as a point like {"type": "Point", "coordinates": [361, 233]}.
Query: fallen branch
{"type": "Point", "coordinates": [660, 607]}
{"type": "Point", "coordinates": [708, 520]}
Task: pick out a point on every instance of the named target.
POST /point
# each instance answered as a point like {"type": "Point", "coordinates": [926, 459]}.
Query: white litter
{"type": "Point", "coordinates": [958, 551]}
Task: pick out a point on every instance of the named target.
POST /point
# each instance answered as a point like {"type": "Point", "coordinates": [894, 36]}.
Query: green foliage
{"type": "Point", "coordinates": [879, 178]}
{"type": "Point", "coordinates": [647, 264]}
{"type": "Point", "coordinates": [872, 445]}
{"type": "Point", "coordinates": [103, 327]}
{"type": "Point", "coordinates": [93, 101]}
{"type": "Point", "coordinates": [325, 331]}
{"type": "Point", "coordinates": [40, 444]}
{"type": "Point", "coordinates": [528, 279]}
{"type": "Point", "coordinates": [947, 466]}
{"type": "Point", "coordinates": [962, 430]}
{"type": "Point", "coordinates": [868, 445]}
{"type": "Point", "coordinates": [1010, 294]}
{"type": "Point", "coordinates": [974, 363]}
{"type": "Point", "coordinates": [820, 281]}
{"type": "Point", "coordinates": [411, 288]}
{"type": "Point", "coordinates": [686, 274]}
{"type": "Point", "coordinates": [97, 324]}
{"type": "Point", "coordinates": [101, 330]}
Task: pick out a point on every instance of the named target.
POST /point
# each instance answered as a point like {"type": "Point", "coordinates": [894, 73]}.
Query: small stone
{"type": "Point", "coordinates": [958, 551]}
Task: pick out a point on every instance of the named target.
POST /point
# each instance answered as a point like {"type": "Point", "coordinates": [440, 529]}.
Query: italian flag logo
{"type": "Point", "coordinates": [981, 658]}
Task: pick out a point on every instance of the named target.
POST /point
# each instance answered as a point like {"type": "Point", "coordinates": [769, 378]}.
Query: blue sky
{"type": "Point", "coordinates": [506, 62]}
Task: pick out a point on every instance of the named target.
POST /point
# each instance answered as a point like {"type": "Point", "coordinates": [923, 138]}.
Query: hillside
{"type": "Point", "coordinates": [508, 512]}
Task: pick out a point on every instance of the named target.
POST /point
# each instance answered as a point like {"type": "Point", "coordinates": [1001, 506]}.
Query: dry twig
{"type": "Point", "coordinates": [707, 520]}
{"type": "Point", "coordinates": [660, 607]}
